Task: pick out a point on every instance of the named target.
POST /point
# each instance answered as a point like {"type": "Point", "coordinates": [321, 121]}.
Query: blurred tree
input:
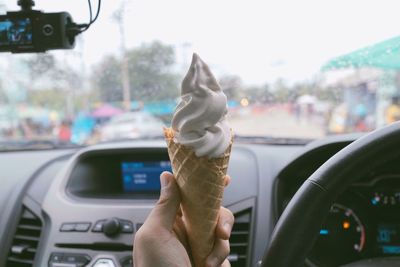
{"type": "Point", "coordinates": [47, 71]}
{"type": "Point", "coordinates": [106, 78]}
{"type": "Point", "coordinates": [40, 65]}
{"type": "Point", "coordinates": [333, 94]}
{"type": "Point", "coordinates": [299, 89]}
{"type": "Point", "coordinates": [56, 99]}
{"type": "Point", "coordinates": [68, 78]}
{"type": "Point", "coordinates": [150, 73]}
{"type": "Point", "coordinates": [282, 92]}
{"type": "Point", "coordinates": [51, 78]}
{"type": "Point", "coordinates": [258, 94]}
{"type": "Point", "coordinates": [48, 98]}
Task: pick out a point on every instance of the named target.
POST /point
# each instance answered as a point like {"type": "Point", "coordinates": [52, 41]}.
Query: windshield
{"type": "Point", "coordinates": [290, 69]}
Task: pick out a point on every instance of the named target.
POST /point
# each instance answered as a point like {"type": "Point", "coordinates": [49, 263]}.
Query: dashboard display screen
{"type": "Point", "coordinates": [15, 32]}
{"type": "Point", "coordinates": [143, 176]}
{"type": "Point", "coordinates": [389, 238]}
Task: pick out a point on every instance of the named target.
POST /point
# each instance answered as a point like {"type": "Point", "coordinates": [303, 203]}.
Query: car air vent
{"type": "Point", "coordinates": [239, 240]}
{"type": "Point", "coordinates": [25, 242]}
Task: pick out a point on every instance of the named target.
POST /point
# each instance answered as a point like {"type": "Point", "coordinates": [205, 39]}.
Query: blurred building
{"type": "Point", "coordinates": [369, 78]}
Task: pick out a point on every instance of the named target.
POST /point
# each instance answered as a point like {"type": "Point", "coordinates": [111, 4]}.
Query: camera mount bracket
{"type": "Point", "coordinates": [26, 5]}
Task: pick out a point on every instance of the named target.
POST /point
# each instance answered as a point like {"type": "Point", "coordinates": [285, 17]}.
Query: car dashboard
{"type": "Point", "coordinates": [362, 223]}
{"type": "Point", "coordinates": [83, 207]}
{"type": "Point", "coordinates": [79, 208]}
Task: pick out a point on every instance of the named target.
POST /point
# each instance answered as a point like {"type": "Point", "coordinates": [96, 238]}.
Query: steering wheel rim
{"type": "Point", "coordinates": [298, 226]}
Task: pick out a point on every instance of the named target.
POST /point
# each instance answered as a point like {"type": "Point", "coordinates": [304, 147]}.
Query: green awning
{"type": "Point", "coordinates": [384, 55]}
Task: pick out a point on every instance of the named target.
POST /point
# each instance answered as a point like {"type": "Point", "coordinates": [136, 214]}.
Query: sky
{"type": "Point", "coordinates": [261, 41]}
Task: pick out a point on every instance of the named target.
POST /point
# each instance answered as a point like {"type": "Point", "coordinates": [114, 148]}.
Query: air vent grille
{"type": "Point", "coordinates": [26, 240]}
{"type": "Point", "coordinates": [239, 240]}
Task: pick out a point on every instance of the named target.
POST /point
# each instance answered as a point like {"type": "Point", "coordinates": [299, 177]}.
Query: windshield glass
{"type": "Point", "coordinates": [290, 69]}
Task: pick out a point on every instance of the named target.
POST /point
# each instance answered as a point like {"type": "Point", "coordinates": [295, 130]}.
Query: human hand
{"type": "Point", "coordinates": [162, 239]}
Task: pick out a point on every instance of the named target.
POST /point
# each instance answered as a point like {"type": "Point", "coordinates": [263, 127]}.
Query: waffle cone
{"type": "Point", "coordinates": [201, 183]}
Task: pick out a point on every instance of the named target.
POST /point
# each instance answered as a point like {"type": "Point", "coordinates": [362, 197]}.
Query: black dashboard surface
{"type": "Point", "coordinates": [37, 182]}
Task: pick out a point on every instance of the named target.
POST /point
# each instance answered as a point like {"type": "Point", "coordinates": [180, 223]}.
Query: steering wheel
{"type": "Point", "coordinates": [299, 225]}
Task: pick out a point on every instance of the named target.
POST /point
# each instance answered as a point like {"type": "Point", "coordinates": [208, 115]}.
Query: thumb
{"type": "Point", "coordinates": [165, 211]}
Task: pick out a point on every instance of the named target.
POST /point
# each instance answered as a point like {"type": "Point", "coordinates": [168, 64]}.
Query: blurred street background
{"type": "Point", "coordinates": [117, 90]}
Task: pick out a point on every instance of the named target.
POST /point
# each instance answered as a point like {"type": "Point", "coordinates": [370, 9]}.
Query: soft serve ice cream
{"type": "Point", "coordinates": [199, 147]}
{"type": "Point", "coordinates": [199, 120]}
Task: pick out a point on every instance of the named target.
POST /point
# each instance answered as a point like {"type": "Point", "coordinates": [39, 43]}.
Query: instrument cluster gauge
{"type": "Point", "coordinates": [341, 238]}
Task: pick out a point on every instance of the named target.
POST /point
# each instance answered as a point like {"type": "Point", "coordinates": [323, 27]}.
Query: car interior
{"type": "Point", "coordinates": [308, 195]}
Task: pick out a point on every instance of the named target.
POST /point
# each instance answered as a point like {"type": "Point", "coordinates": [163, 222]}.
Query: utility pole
{"type": "Point", "coordinates": [118, 17]}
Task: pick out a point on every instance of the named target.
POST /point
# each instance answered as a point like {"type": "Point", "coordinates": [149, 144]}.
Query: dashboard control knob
{"type": "Point", "coordinates": [104, 263]}
{"type": "Point", "coordinates": [111, 227]}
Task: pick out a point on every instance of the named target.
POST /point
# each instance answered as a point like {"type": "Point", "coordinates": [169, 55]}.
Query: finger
{"type": "Point", "coordinates": [224, 224]}
{"type": "Point", "coordinates": [227, 180]}
{"type": "Point", "coordinates": [226, 263]}
{"type": "Point", "coordinates": [180, 232]}
{"type": "Point", "coordinates": [165, 211]}
{"type": "Point", "coordinates": [219, 253]}
{"type": "Point", "coordinates": [180, 214]}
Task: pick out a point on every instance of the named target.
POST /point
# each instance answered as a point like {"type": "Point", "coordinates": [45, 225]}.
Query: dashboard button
{"type": "Point", "coordinates": [104, 263]}
{"type": "Point", "coordinates": [77, 259]}
{"type": "Point", "coordinates": [56, 257]}
{"type": "Point", "coordinates": [126, 227]}
{"type": "Point", "coordinates": [82, 227]}
{"type": "Point", "coordinates": [98, 226]}
{"type": "Point", "coordinates": [67, 227]}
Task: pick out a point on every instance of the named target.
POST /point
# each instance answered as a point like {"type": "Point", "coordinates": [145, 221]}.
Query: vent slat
{"type": "Point", "coordinates": [239, 232]}
{"type": "Point", "coordinates": [239, 241]}
{"type": "Point", "coordinates": [26, 237]}
{"type": "Point", "coordinates": [29, 227]}
{"type": "Point", "coordinates": [15, 259]}
{"type": "Point", "coordinates": [25, 240]}
{"type": "Point", "coordinates": [239, 245]}
{"type": "Point", "coordinates": [30, 222]}
{"type": "Point", "coordinates": [31, 250]}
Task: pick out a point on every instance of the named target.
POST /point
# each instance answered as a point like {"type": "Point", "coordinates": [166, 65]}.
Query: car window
{"type": "Point", "coordinates": [303, 69]}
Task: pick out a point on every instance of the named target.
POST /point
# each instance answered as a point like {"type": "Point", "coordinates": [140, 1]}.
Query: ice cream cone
{"type": "Point", "coordinates": [201, 183]}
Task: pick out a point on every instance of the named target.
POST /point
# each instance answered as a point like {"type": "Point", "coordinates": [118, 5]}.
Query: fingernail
{"type": "Point", "coordinates": [164, 180]}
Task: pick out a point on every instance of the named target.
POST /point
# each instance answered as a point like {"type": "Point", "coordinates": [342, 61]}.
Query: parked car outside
{"type": "Point", "coordinates": [132, 125]}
